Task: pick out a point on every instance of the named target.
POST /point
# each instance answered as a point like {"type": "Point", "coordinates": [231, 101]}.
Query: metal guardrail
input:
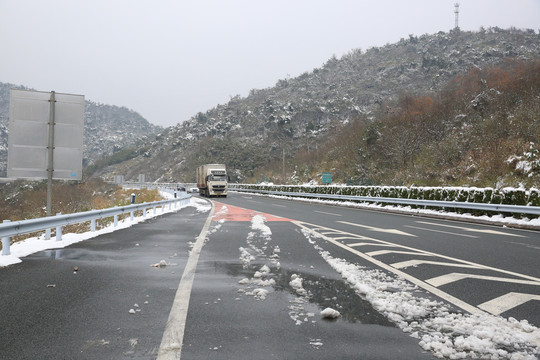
{"type": "Point", "coordinates": [514, 209]}
{"type": "Point", "coordinates": [151, 185]}
{"type": "Point", "coordinates": [13, 228]}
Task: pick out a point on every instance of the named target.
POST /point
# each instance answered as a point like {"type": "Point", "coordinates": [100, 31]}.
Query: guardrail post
{"type": "Point", "coordinates": [131, 216]}
{"type": "Point", "coordinates": [154, 209]}
{"type": "Point", "coordinates": [58, 230]}
{"type": "Point", "coordinates": [115, 220]}
{"type": "Point", "coordinates": [47, 234]}
{"type": "Point", "coordinates": [170, 205]}
{"type": "Point", "coordinates": [93, 225]}
{"type": "Point", "coordinates": [5, 243]}
{"type": "Point", "coordinates": [144, 213]}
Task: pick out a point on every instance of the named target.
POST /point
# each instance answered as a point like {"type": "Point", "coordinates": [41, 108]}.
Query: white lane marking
{"type": "Point", "coordinates": [279, 205]}
{"type": "Point", "coordinates": [390, 231]}
{"type": "Point", "coordinates": [409, 263]}
{"type": "Point", "coordinates": [327, 213]}
{"type": "Point", "coordinates": [423, 284]}
{"type": "Point", "coordinates": [484, 231]}
{"type": "Point", "coordinates": [506, 302]}
{"type": "Point", "coordinates": [173, 336]}
{"type": "Point", "coordinates": [369, 244]}
{"type": "Point", "coordinates": [440, 231]}
{"type": "Point", "coordinates": [453, 277]}
{"type": "Point", "coordinates": [378, 242]}
{"type": "Point", "coordinates": [384, 252]}
{"type": "Point", "coordinates": [523, 244]}
{"type": "Point", "coordinates": [451, 299]}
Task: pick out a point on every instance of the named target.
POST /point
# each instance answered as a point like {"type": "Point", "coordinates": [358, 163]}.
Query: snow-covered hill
{"type": "Point", "coordinates": [300, 114]}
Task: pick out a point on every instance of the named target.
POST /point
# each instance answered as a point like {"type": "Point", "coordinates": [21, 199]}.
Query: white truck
{"type": "Point", "coordinates": [212, 180]}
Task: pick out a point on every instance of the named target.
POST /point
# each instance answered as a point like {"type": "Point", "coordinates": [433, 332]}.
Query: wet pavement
{"type": "Point", "coordinates": [228, 320]}
{"type": "Point", "coordinates": [116, 305]}
{"type": "Point", "coordinates": [50, 311]}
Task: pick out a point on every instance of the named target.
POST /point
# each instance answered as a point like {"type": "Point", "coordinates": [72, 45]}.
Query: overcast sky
{"type": "Point", "coordinates": [169, 59]}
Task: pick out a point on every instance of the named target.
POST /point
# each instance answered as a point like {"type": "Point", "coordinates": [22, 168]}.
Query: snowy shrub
{"type": "Point", "coordinates": [507, 196]}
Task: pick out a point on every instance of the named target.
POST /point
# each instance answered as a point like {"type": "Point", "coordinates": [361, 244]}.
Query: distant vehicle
{"type": "Point", "coordinates": [212, 180]}
{"type": "Point", "coordinates": [193, 190]}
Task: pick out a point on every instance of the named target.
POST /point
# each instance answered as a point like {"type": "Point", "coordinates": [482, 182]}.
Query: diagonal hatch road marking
{"type": "Point", "coordinates": [389, 231]}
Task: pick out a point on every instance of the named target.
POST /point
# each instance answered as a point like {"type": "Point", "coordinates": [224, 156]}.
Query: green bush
{"type": "Point", "coordinates": [508, 196]}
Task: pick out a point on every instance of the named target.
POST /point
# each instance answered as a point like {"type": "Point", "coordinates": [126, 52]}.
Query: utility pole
{"type": "Point", "coordinates": [456, 12]}
{"type": "Point", "coordinates": [283, 164]}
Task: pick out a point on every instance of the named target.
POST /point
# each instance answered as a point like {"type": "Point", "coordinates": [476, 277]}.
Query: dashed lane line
{"type": "Point", "coordinates": [440, 231]}
{"type": "Point", "coordinates": [483, 231]}
{"type": "Point", "coordinates": [327, 213]}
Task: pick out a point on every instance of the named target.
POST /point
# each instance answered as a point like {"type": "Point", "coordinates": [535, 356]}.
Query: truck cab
{"type": "Point", "coordinates": [212, 180]}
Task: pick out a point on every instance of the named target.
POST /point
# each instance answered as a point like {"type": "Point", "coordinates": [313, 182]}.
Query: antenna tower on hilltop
{"type": "Point", "coordinates": [456, 11]}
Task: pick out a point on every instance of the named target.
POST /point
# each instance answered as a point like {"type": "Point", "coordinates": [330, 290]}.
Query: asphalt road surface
{"type": "Point", "coordinates": [251, 281]}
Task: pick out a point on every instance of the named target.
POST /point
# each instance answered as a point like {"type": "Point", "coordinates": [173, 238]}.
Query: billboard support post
{"type": "Point", "coordinates": [50, 147]}
{"type": "Point", "coordinates": [50, 166]}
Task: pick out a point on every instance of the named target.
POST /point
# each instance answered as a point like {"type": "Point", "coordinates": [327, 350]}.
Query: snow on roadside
{"type": "Point", "coordinates": [33, 245]}
{"type": "Point", "coordinates": [445, 333]}
{"type": "Point", "coordinates": [200, 205]}
{"type": "Point", "coordinates": [495, 219]}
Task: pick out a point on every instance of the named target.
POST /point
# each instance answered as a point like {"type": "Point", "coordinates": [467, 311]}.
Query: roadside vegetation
{"type": "Point", "coordinates": [482, 129]}
{"type": "Point", "coordinates": [22, 200]}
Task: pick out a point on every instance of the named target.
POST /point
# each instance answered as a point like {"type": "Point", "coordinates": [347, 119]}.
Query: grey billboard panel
{"type": "Point", "coordinates": [29, 134]}
{"type": "Point", "coordinates": [29, 106]}
{"type": "Point", "coordinates": [71, 110]}
{"type": "Point", "coordinates": [72, 136]}
{"type": "Point", "coordinates": [66, 157]}
{"type": "Point", "coordinates": [31, 162]}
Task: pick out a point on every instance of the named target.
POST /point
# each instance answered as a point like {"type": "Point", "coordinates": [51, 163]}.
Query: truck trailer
{"type": "Point", "coordinates": [212, 180]}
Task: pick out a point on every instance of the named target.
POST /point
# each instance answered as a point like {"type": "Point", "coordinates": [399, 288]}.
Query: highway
{"type": "Point", "coordinates": [251, 281]}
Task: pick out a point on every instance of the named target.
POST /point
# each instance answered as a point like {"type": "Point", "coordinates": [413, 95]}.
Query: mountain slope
{"type": "Point", "coordinates": [300, 114]}
{"type": "Point", "coordinates": [107, 128]}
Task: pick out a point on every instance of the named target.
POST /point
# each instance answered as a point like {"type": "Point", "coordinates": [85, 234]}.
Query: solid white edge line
{"type": "Point", "coordinates": [173, 336]}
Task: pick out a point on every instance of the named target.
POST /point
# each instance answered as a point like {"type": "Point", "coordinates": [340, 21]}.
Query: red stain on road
{"type": "Point", "coordinates": [234, 213]}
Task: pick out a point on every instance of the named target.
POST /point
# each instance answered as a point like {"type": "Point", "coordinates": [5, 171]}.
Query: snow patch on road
{"type": "Point", "coordinates": [262, 282]}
